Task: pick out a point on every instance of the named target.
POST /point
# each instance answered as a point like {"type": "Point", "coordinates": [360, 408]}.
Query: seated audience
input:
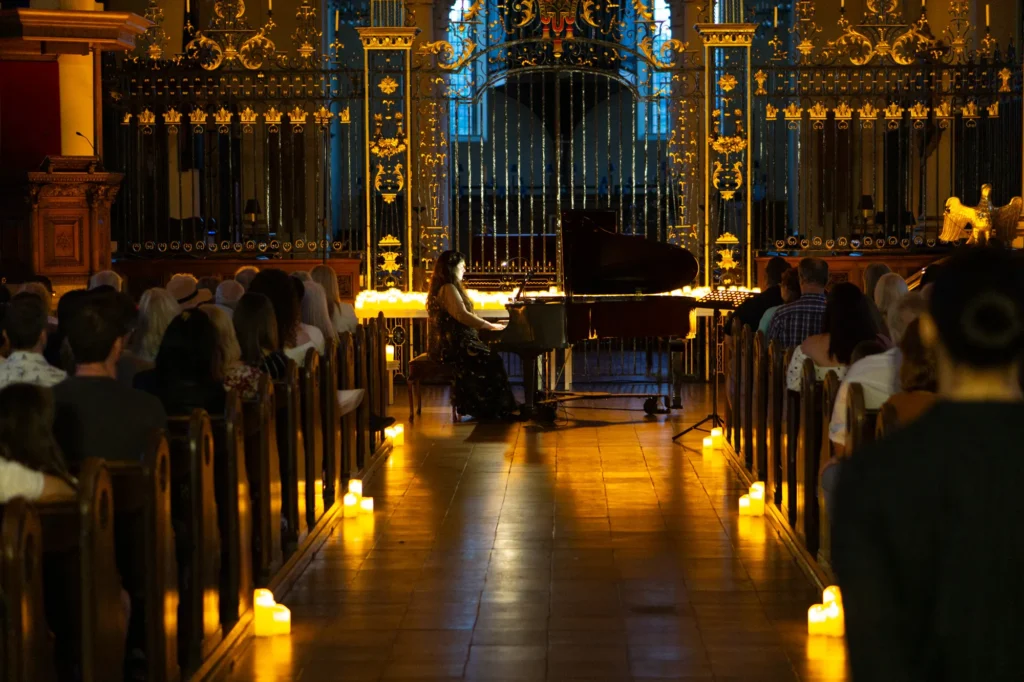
{"type": "Point", "coordinates": [751, 311]}
{"type": "Point", "coordinates": [39, 290]}
{"type": "Point", "coordinates": [847, 322]}
{"type": "Point", "coordinates": [302, 276]}
{"type": "Point", "coordinates": [917, 378]}
{"type": "Point", "coordinates": [237, 375]}
{"type": "Point", "coordinates": [229, 292]}
{"type": "Point", "coordinates": [106, 278]}
{"type": "Point", "coordinates": [57, 352]}
{"type": "Point", "coordinates": [795, 321]}
{"type": "Point", "coordinates": [283, 291]}
{"type": "Point", "coordinates": [926, 543]}
{"type": "Point", "coordinates": [186, 291]}
{"type": "Point", "coordinates": [891, 288]}
{"type": "Point", "coordinates": [245, 274]}
{"type": "Point", "coordinates": [96, 415]}
{"type": "Point", "coordinates": [866, 348]}
{"type": "Point", "coordinates": [256, 330]}
{"type": "Point", "coordinates": [210, 283]}
{"type": "Point", "coordinates": [31, 465]}
{"type": "Point", "coordinates": [25, 329]}
{"type": "Point", "coordinates": [156, 310]}
{"type": "Point", "coordinates": [790, 292]}
{"type": "Point", "coordinates": [878, 374]}
{"type": "Point", "coordinates": [343, 315]}
{"type": "Point", "coordinates": [315, 312]}
{"type": "Point", "coordinates": [872, 273]}
{"type": "Point", "coordinates": [187, 374]}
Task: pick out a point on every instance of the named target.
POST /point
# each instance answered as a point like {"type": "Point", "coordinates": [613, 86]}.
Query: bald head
{"type": "Point", "coordinates": [229, 293]}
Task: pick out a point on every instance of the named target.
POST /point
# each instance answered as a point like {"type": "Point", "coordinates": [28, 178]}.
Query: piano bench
{"type": "Point", "coordinates": [424, 369]}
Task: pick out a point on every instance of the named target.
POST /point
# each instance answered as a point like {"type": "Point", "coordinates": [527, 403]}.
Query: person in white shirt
{"type": "Point", "coordinates": [283, 291]}
{"type": "Point", "coordinates": [25, 328]}
{"type": "Point", "coordinates": [31, 465]}
{"type": "Point", "coordinates": [343, 315]}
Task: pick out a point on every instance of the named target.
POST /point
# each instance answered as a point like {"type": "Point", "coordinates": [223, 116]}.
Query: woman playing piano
{"type": "Point", "coordinates": [481, 385]}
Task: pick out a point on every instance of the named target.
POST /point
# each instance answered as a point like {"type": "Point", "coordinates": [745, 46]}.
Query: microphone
{"type": "Point", "coordinates": [89, 142]}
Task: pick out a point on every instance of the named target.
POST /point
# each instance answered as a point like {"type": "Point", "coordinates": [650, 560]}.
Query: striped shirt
{"type": "Point", "coordinates": [794, 322]}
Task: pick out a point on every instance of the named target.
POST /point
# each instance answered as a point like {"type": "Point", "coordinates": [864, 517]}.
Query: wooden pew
{"type": "Point", "coordinates": [381, 371]}
{"type": "Point", "coordinates": [146, 555]}
{"type": "Point", "coordinates": [790, 440]}
{"type": "Point", "coordinates": [364, 439]}
{"type": "Point", "coordinates": [290, 448]}
{"type": "Point", "coordinates": [313, 431]}
{"type": "Point", "coordinates": [26, 654]}
{"type": "Point", "coordinates": [759, 415]}
{"type": "Point", "coordinates": [860, 420]}
{"type": "Point", "coordinates": [331, 422]}
{"type": "Point", "coordinates": [746, 392]}
{"type": "Point", "coordinates": [829, 389]}
{"type": "Point", "coordinates": [774, 440]}
{"type": "Point", "coordinates": [373, 383]}
{"type": "Point", "coordinates": [729, 362]}
{"type": "Point", "coordinates": [197, 535]}
{"type": "Point", "coordinates": [347, 382]}
{"type": "Point", "coordinates": [81, 585]}
{"type": "Point", "coordinates": [888, 422]}
{"type": "Point", "coordinates": [808, 453]}
{"type": "Point", "coordinates": [263, 469]}
{"type": "Point", "coordinates": [234, 511]}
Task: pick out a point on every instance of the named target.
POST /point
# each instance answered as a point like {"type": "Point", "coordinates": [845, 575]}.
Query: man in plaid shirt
{"type": "Point", "coordinates": [795, 321]}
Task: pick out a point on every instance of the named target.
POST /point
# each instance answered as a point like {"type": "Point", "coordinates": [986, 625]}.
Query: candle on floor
{"type": "Point", "coordinates": [816, 620]}
{"type": "Point", "coordinates": [270, 617]}
{"type": "Point", "coordinates": [355, 486]}
{"type": "Point", "coordinates": [399, 433]}
{"type": "Point", "coordinates": [366, 505]}
{"type": "Point", "coordinates": [757, 499]}
{"type": "Point", "coordinates": [832, 594]}
{"type": "Point", "coordinates": [389, 433]}
{"type": "Point", "coordinates": [389, 351]}
{"type": "Point", "coordinates": [709, 445]}
{"type": "Point", "coordinates": [718, 437]}
{"type": "Point", "coordinates": [351, 503]}
{"type": "Point", "coordinates": [745, 509]}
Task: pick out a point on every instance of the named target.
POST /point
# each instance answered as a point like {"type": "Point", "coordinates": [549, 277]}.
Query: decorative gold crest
{"type": "Point", "coordinates": [727, 82]}
{"type": "Point", "coordinates": [387, 85]}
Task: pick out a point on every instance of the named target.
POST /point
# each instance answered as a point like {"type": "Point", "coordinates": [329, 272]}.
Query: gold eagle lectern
{"type": "Point", "coordinates": [986, 220]}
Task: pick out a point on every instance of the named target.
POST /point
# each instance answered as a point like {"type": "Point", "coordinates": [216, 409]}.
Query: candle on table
{"type": "Point", "coordinates": [351, 505]}
{"type": "Point", "coordinates": [389, 350]}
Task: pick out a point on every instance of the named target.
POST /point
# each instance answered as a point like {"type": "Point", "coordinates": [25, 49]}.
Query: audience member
{"type": "Point", "coordinates": [25, 329]}
{"type": "Point", "coordinates": [96, 415]}
{"type": "Point", "coordinates": [302, 276]}
{"type": "Point", "coordinates": [890, 289]}
{"type": "Point", "coordinates": [752, 311]}
{"type": "Point", "coordinates": [295, 337]}
{"type": "Point", "coordinates": [343, 315]}
{"type": "Point", "coordinates": [847, 322]}
{"type": "Point", "coordinates": [188, 372]}
{"type": "Point", "coordinates": [257, 332]}
{"type": "Point", "coordinates": [210, 283]}
{"type": "Point", "coordinates": [795, 321]}
{"type": "Point", "coordinates": [229, 292]}
{"type": "Point", "coordinates": [790, 287]}
{"type": "Point", "coordinates": [245, 274]}
{"type": "Point", "coordinates": [865, 349]}
{"type": "Point", "coordinates": [237, 375]}
{"type": "Point", "coordinates": [39, 290]}
{"type": "Point", "coordinates": [106, 278]}
{"type": "Point", "coordinates": [31, 465]}
{"type": "Point", "coordinates": [872, 273]}
{"type": "Point", "coordinates": [878, 374]}
{"type": "Point", "coordinates": [918, 382]}
{"type": "Point", "coordinates": [57, 351]}
{"type": "Point", "coordinates": [926, 542]}
{"type": "Point", "coordinates": [186, 291]}
{"type": "Point", "coordinates": [157, 308]}
{"type": "Point", "coordinates": [315, 312]}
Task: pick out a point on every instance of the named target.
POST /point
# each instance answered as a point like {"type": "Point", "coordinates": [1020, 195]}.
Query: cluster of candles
{"type": "Point", "coordinates": [354, 502]}
{"type": "Point", "coordinates": [752, 504]}
{"type": "Point", "coordinates": [826, 619]}
{"type": "Point", "coordinates": [271, 618]}
{"type": "Point", "coordinates": [716, 441]}
{"type": "Point", "coordinates": [396, 433]}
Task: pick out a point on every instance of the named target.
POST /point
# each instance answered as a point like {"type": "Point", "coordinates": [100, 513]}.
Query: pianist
{"type": "Point", "coordinates": [481, 385]}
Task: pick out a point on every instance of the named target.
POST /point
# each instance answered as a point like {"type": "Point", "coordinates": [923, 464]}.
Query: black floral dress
{"type": "Point", "coordinates": [481, 384]}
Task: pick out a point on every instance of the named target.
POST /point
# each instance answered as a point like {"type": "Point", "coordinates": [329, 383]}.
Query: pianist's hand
{"type": "Point", "coordinates": [498, 326]}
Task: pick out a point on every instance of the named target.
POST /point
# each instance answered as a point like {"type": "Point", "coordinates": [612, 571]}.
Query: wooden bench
{"type": "Point", "coordinates": [424, 369]}
{"type": "Point", "coordinates": [774, 439]}
{"type": "Point", "coordinates": [313, 433]}
{"type": "Point", "coordinates": [808, 455]}
{"type": "Point", "coordinates": [26, 654]}
{"type": "Point", "coordinates": [861, 422]}
{"type": "Point", "coordinates": [349, 423]}
{"type": "Point", "coordinates": [364, 439]}
{"type": "Point", "coordinates": [790, 441]}
{"type": "Point", "coordinates": [830, 388]}
{"type": "Point", "coordinates": [759, 413]}
{"type": "Point", "coordinates": [197, 535]}
{"type": "Point", "coordinates": [263, 468]}
{"type": "Point", "coordinates": [81, 584]}
{"type": "Point", "coordinates": [234, 511]}
{"type": "Point", "coordinates": [146, 555]}
{"type": "Point", "coordinates": [291, 448]}
{"type": "Point", "coordinates": [745, 437]}
{"type": "Point", "coordinates": [331, 419]}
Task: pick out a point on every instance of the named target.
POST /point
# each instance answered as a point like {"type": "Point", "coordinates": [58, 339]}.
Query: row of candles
{"type": "Point", "coordinates": [272, 618]}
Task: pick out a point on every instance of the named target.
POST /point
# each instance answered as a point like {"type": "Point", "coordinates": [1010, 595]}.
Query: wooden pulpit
{"type": "Point", "coordinates": [68, 229]}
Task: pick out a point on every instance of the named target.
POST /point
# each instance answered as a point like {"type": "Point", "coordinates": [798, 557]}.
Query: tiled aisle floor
{"type": "Point", "coordinates": [596, 550]}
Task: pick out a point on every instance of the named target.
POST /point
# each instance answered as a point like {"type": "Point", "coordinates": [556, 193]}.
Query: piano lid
{"type": "Point", "coordinates": [598, 260]}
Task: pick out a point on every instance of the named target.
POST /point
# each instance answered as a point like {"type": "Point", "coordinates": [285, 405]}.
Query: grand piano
{"type": "Point", "coordinates": [610, 284]}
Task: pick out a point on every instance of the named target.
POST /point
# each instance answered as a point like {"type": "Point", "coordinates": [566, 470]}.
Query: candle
{"type": "Point", "coordinates": [355, 486]}
{"type": "Point", "coordinates": [399, 431]}
{"type": "Point", "coordinates": [351, 505]}
{"type": "Point", "coordinates": [775, 23]}
{"type": "Point", "coordinates": [270, 5]}
{"type": "Point", "coordinates": [389, 350]}
{"type": "Point", "coordinates": [756, 496]}
{"type": "Point", "coordinates": [366, 505]}
{"type": "Point", "coordinates": [832, 594]}
{"type": "Point", "coordinates": [827, 619]}
{"type": "Point", "coordinates": [709, 445]}
{"type": "Point", "coordinates": [271, 618]}
{"type": "Point", "coordinates": [987, 18]}
{"type": "Point", "coordinates": [745, 506]}
{"type": "Point", "coordinates": [188, 7]}
{"type": "Point", "coordinates": [337, 14]}
{"type": "Point", "coordinates": [816, 620]}
{"type": "Point", "coordinates": [717, 437]}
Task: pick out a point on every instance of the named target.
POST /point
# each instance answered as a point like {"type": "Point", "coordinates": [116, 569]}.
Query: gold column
{"type": "Point", "coordinates": [78, 98]}
{"type": "Point", "coordinates": [728, 161]}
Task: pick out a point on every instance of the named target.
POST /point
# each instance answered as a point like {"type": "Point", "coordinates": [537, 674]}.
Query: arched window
{"type": "Point", "coordinates": [467, 116]}
{"type": "Point", "coordinates": [653, 117]}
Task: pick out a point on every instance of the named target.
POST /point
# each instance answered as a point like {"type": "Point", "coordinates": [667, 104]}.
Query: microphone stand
{"type": "Point", "coordinates": [716, 421]}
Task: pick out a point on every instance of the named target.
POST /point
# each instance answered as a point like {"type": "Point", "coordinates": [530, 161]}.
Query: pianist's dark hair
{"type": "Point", "coordinates": [444, 273]}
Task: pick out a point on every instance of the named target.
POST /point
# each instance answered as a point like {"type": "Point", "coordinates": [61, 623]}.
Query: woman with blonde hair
{"type": "Point", "coordinates": [343, 315]}
{"type": "Point", "coordinates": [888, 292]}
{"type": "Point", "coordinates": [237, 375]}
{"type": "Point", "coordinates": [315, 312]}
{"type": "Point", "coordinates": [157, 308]}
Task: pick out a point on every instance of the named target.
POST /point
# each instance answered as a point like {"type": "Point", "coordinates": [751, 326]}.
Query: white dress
{"type": "Point", "coordinates": [343, 317]}
{"type": "Point", "coordinates": [794, 373]}
{"type": "Point", "coordinates": [316, 340]}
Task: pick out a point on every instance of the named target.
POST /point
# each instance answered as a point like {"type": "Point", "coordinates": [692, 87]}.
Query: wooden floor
{"type": "Point", "coordinates": [595, 550]}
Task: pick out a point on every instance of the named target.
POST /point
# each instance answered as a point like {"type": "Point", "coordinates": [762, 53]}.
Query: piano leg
{"type": "Point", "coordinates": [567, 368]}
{"type": "Point", "coordinates": [529, 360]}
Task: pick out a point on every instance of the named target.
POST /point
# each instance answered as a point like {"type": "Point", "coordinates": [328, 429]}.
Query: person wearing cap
{"type": "Point", "coordinates": [186, 291]}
